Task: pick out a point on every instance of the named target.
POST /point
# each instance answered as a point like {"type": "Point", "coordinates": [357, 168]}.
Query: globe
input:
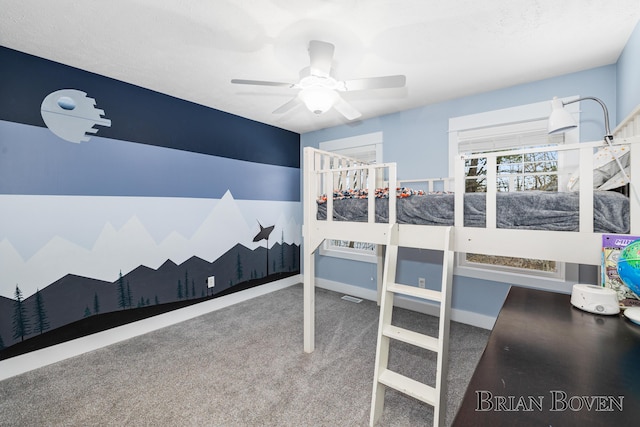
{"type": "Point", "coordinates": [629, 266]}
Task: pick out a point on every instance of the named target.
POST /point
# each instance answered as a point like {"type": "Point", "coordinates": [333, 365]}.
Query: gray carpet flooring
{"type": "Point", "coordinates": [243, 366]}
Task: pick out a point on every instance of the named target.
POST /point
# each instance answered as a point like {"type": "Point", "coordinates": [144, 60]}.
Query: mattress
{"type": "Point", "coordinates": [533, 210]}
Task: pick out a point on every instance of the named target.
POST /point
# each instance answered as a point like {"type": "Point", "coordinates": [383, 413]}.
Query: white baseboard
{"type": "Point", "coordinates": [463, 316]}
{"type": "Point", "coordinates": [46, 356]}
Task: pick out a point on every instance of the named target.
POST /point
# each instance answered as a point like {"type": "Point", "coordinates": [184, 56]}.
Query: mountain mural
{"type": "Point", "coordinates": [73, 297]}
{"type": "Point", "coordinates": [132, 244]}
{"type": "Point", "coordinates": [137, 253]}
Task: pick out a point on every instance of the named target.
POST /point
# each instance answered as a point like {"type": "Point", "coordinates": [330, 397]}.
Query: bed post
{"type": "Point", "coordinates": [491, 207]}
{"type": "Point", "coordinates": [380, 255]}
{"type": "Point", "coordinates": [392, 214]}
{"type": "Point", "coordinates": [309, 301]}
{"type": "Point", "coordinates": [308, 192]}
{"type": "Point", "coordinates": [458, 191]}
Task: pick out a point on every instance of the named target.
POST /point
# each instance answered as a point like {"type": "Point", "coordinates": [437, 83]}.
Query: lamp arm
{"type": "Point", "coordinates": [608, 138]}
{"type": "Point", "coordinates": [604, 108]}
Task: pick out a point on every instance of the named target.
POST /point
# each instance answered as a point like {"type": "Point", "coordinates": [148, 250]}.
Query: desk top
{"type": "Point", "coordinates": [548, 363]}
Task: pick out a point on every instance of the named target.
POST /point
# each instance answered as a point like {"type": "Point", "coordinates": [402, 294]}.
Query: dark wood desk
{"type": "Point", "coordinates": [549, 364]}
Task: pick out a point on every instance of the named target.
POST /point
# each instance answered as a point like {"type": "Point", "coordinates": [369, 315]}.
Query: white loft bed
{"type": "Point", "coordinates": [324, 172]}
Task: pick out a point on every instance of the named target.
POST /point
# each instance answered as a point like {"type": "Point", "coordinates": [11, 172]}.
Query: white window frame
{"type": "Point", "coordinates": [516, 119]}
{"type": "Point", "coordinates": [364, 252]}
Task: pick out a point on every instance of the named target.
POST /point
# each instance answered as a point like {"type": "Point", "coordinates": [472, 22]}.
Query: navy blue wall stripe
{"type": "Point", "coordinates": [142, 115]}
{"type": "Point", "coordinates": [35, 161]}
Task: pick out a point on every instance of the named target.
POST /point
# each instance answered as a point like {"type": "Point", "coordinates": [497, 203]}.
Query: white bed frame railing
{"type": "Point", "coordinates": [325, 171]}
{"type": "Point", "coordinates": [585, 150]}
{"type": "Point", "coordinates": [349, 173]}
{"type": "Point", "coordinates": [330, 172]}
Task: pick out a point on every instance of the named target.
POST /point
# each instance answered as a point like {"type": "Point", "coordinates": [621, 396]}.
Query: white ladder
{"type": "Point", "coordinates": [433, 395]}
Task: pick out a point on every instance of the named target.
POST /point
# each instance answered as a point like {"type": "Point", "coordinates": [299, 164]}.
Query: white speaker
{"type": "Point", "coordinates": [595, 299]}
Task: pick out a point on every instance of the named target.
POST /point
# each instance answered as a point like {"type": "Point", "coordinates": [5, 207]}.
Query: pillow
{"type": "Point", "coordinates": [617, 180]}
{"type": "Point", "coordinates": [606, 172]}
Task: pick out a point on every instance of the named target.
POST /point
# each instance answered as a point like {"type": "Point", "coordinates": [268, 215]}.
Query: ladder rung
{"type": "Point", "coordinates": [415, 291]}
{"type": "Point", "coordinates": [411, 337]}
{"type": "Point", "coordinates": [408, 386]}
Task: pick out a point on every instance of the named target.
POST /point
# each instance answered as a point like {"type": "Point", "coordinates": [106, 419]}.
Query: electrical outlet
{"type": "Point", "coordinates": [422, 282]}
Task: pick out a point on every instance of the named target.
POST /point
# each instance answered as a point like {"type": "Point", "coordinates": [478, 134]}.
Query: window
{"type": "Point", "coordinates": [518, 127]}
{"type": "Point", "coordinates": [529, 171]}
{"type": "Point", "coordinates": [367, 148]}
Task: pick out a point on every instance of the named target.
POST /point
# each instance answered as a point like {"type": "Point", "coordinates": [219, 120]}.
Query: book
{"type": "Point", "coordinates": [612, 245]}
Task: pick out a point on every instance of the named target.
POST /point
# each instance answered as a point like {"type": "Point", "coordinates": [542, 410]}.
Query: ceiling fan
{"type": "Point", "coordinates": [319, 90]}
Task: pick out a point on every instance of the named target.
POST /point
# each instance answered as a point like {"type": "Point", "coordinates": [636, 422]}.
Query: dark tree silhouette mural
{"type": "Point", "coordinates": [40, 315]}
{"type": "Point", "coordinates": [282, 252]}
{"type": "Point", "coordinates": [122, 296]}
{"type": "Point", "coordinates": [20, 322]}
{"type": "Point", "coordinates": [186, 284]}
{"type": "Point", "coordinates": [239, 272]}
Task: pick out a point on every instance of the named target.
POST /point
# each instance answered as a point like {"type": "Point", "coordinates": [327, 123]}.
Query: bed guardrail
{"type": "Point", "coordinates": [334, 172]}
{"type": "Point", "coordinates": [586, 183]}
{"type": "Point", "coordinates": [491, 158]}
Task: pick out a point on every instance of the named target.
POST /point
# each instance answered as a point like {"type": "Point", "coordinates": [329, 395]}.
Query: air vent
{"type": "Point", "coordinates": [351, 299]}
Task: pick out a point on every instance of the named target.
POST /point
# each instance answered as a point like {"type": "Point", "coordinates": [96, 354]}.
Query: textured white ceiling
{"type": "Point", "coordinates": [191, 49]}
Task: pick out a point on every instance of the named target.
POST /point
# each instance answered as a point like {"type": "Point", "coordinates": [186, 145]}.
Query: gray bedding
{"type": "Point", "coordinates": [533, 210]}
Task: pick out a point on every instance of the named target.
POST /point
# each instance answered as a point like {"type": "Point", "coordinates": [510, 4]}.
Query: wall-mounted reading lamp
{"type": "Point", "coordinates": [561, 121]}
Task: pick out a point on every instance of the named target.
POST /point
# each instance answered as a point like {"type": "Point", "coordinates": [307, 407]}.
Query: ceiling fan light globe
{"type": "Point", "coordinates": [318, 99]}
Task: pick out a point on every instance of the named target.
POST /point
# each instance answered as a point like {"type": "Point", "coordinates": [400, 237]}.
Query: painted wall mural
{"type": "Point", "coordinates": [120, 227]}
{"type": "Point", "coordinates": [72, 115]}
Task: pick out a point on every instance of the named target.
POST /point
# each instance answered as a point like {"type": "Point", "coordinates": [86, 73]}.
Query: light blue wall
{"type": "Point", "coordinates": [417, 140]}
{"type": "Point", "coordinates": [628, 69]}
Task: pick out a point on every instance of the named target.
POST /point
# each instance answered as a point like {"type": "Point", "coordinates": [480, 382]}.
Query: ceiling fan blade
{"type": "Point", "coordinates": [375, 82]}
{"type": "Point", "coordinates": [321, 57]}
{"type": "Point", "coordinates": [262, 83]}
{"type": "Point", "coordinates": [288, 106]}
{"type": "Point", "coordinates": [346, 109]}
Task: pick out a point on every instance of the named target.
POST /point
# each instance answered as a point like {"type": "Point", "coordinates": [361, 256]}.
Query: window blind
{"type": "Point", "coordinates": [515, 135]}
{"type": "Point", "coordinates": [364, 153]}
